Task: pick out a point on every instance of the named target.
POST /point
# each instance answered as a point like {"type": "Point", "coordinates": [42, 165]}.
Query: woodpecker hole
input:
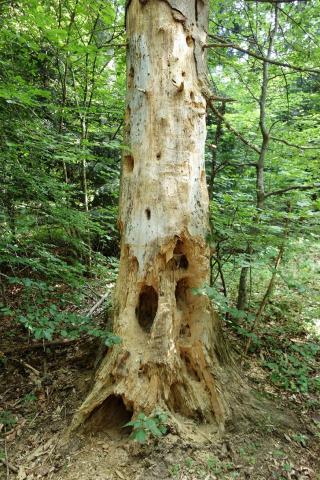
{"type": "Point", "coordinates": [179, 257]}
{"type": "Point", "coordinates": [148, 213]}
{"type": "Point", "coordinates": [189, 41]}
{"type": "Point", "coordinates": [181, 292]}
{"type": "Point", "coordinates": [128, 163]}
{"type": "Point", "coordinates": [147, 307]}
{"type": "Point", "coordinates": [190, 369]}
{"type": "Point", "coordinates": [130, 77]}
{"type": "Point", "coordinates": [185, 330]}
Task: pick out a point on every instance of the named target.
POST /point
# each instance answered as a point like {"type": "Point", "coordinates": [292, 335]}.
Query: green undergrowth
{"type": "Point", "coordinates": [144, 427]}
{"type": "Point", "coordinates": [49, 293]}
{"type": "Point", "coordinates": [285, 341]}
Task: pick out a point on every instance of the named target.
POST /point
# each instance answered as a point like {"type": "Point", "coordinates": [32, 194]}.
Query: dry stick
{"type": "Point", "coordinates": [36, 346]}
{"type": "Point", "coordinates": [8, 465]}
{"type": "Point", "coordinates": [97, 305]}
{"type": "Point", "coordinates": [224, 44]}
{"type": "Point", "coordinates": [6, 455]}
{"type": "Point", "coordinates": [26, 365]}
{"type": "Point", "coordinates": [6, 458]}
{"type": "Point", "coordinates": [265, 298]}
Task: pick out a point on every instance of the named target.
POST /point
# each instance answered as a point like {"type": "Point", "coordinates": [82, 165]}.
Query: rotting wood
{"type": "Point", "coordinates": [172, 354]}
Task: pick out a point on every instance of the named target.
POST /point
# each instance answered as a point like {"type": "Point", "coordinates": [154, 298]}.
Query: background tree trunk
{"type": "Point", "coordinates": [172, 353]}
{"type": "Point", "coordinates": [242, 302]}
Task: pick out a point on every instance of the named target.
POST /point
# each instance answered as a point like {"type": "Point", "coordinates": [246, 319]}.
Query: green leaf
{"type": "Point", "coordinates": [139, 436]}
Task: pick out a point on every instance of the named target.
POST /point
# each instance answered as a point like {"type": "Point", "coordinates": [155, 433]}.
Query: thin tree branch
{"type": "Point", "coordinates": [301, 147]}
{"type": "Point", "coordinates": [260, 187]}
{"type": "Point", "coordinates": [294, 187]}
{"type": "Point", "coordinates": [246, 86]}
{"type": "Point", "coordinates": [299, 26]}
{"type": "Point", "coordinates": [223, 44]}
{"type": "Point", "coordinates": [234, 165]}
{"type": "Point", "coordinates": [278, 1]}
{"type": "Point", "coordinates": [265, 297]}
{"type": "Point", "coordinates": [8, 465]}
{"type": "Point", "coordinates": [227, 124]}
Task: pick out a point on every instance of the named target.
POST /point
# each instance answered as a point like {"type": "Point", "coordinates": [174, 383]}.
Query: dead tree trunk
{"type": "Point", "coordinates": [172, 354]}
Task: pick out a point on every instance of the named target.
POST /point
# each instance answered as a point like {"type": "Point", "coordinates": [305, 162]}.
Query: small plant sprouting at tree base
{"type": "Point", "coordinates": [144, 427]}
{"type": "Point", "coordinates": [172, 355]}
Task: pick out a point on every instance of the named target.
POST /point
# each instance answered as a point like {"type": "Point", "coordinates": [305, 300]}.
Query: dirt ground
{"type": "Point", "coordinates": [40, 390]}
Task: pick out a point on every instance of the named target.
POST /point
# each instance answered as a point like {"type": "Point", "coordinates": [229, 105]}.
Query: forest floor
{"type": "Point", "coordinates": [40, 390]}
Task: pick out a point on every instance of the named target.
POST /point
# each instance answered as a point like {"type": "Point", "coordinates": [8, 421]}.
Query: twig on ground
{"type": "Point", "coordinates": [5, 460]}
{"type": "Point", "coordinates": [36, 346]}
{"type": "Point", "coordinates": [97, 305]}
{"type": "Point", "coordinates": [8, 466]}
{"type": "Point", "coordinates": [30, 367]}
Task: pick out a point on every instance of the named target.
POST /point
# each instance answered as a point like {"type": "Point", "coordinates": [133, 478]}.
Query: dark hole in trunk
{"type": "Point", "coordinates": [181, 292]}
{"type": "Point", "coordinates": [128, 163]}
{"type": "Point", "coordinates": [147, 307]}
{"type": "Point", "coordinates": [179, 258]}
{"type": "Point", "coordinates": [190, 369]}
{"type": "Point", "coordinates": [112, 414]}
{"type": "Point", "coordinates": [185, 330]}
{"type": "Point", "coordinates": [183, 262]}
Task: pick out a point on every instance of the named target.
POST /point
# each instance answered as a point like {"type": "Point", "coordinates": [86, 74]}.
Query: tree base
{"type": "Point", "coordinates": [172, 356]}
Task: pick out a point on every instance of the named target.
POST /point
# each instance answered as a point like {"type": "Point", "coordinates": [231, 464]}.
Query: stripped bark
{"type": "Point", "coordinates": [172, 353]}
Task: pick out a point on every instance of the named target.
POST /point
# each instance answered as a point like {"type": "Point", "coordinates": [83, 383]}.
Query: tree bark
{"type": "Point", "coordinates": [172, 354]}
{"type": "Point", "coordinates": [242, 301]}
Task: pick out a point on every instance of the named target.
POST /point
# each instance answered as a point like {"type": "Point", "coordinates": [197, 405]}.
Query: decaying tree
{"type": "Point", "coordinates": [172, 354]}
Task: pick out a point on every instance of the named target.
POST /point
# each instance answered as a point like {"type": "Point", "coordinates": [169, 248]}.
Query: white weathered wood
{"type": "Point", "coordinates": [172, 351]}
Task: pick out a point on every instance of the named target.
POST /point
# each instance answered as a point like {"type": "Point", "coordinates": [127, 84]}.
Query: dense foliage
{"type": "Point", "coordinates": [62, 92]}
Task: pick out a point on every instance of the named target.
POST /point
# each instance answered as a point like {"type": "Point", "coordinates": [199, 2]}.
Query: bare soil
{"type": "Point", "coordinates": [41, 389]}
